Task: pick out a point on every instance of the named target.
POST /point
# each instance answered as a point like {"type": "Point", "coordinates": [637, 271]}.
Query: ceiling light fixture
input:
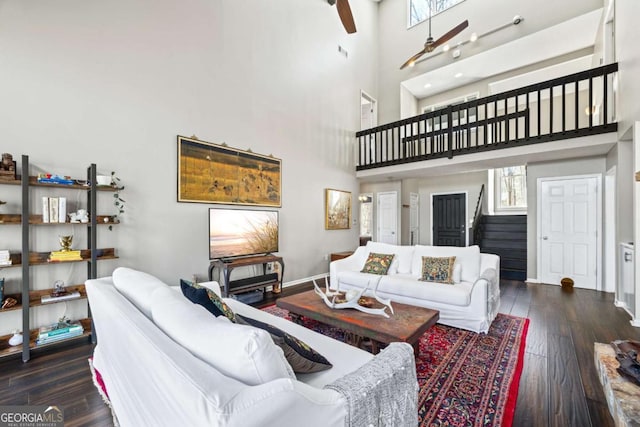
{"type": "Point", "coordinates": [514, 21]}
{"type": "Point", "coordinates": [458, 75]}
{"type": "Point", "coordinates": [427, 85]}
{"type": "Point", "coordinates": [446, 48]}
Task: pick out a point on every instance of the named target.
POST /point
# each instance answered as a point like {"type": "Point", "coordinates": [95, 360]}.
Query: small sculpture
{"type": "Point", "coordinates": [80, 216]}
{"type": "Point", "coordinates": [9, 302]}
{"type": "Point", "coordinates": [7, 163]}
{"type": "Point", "coordinates": [7, 167]}
{"type": "Point", "coordinates": [59, 289]}
{"type": "Point", "coordinates": [65, 242]}
{"type": "Point", "coordinates": [353, 299]}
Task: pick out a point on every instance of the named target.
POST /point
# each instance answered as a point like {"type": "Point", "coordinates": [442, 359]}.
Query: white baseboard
{"type": "Point", "coordinates": [305, 280]}
{"type": "Point", "coordinates": [620, 304]}
{"type": "Point", "coordinates": [635, 322]}
{"type": "Point", "coordinates": [532, 280]}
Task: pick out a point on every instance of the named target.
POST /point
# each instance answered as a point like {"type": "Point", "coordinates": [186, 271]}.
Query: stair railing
{"type": "Point", "coordinates": [477, 216]}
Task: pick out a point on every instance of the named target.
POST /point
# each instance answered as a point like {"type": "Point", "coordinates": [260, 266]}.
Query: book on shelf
{"type": "Point", "coordinates": [65, 256]}
{"type": "Point", "coordinates": [60, 337]}
{"type": "Point", "coordinates": [45, 209]}
{"type": "Point", "coordinates": [55, 330]}
{"type": "Point", "coordinates": [53, 209]}
{"type": "Point", "coordinates": [5, 258]}
{"type": "Point", "coordinates": [62, 209]}
{"type": "Point", "coordinates": [44, 299]}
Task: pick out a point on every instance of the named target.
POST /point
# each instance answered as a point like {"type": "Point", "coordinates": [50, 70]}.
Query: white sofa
{"type": "Point", "coordinates": [155, 351]}
{"type": "Point", "coordinates": [471, 303]}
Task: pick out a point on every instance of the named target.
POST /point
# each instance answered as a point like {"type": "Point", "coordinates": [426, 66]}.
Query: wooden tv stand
{"type": "Point", "coordinates": [249, 283]}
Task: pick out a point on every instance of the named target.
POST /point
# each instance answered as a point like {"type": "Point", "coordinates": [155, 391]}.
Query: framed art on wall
{"type": "Point", "coordinates": [212, 173]}
{"type": "Point", "coordinates": [337, 209]}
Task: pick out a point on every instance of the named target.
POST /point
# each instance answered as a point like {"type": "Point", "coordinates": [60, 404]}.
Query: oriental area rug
{"type": "Point", "coordinates": [465, 378]}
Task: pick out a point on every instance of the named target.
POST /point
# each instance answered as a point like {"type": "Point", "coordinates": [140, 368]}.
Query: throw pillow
{"type": "Point", "coordinates": [207, 298]}
{"type": "Point", "coordinates": [438, 269]}
{"type": "Point", "coordinates": [378, 263]}
{"type": "Point", "coordinates": [237, 351]}
{"type": "Point", "coordinates": [302, 358]}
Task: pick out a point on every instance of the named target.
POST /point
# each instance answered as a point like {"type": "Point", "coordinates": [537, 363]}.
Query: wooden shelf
{"type": "Point", "coordinates": [33, 181]}
{"type": "Point", "coordinates": [16, 219]}
{"type": "Point", "coordinates": [27, 257]}
{"type": "Point", "coordinates": [40, 258]}
{"type": "Point", "coordinates": [7, 350]}
{"type": "Point", "coordinates": [35, 297]}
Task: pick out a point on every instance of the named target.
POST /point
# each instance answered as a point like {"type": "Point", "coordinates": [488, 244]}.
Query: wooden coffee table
{"type": "Point", "coordinates": [406, 325]}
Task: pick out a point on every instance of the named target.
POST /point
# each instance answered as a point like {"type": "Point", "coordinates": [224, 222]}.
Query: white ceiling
{"type": "Point", "coordinates": [567, 37]}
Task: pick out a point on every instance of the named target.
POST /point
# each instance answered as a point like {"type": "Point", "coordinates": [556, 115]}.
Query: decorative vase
{"type": "Point", "coordinates": [16, 339]}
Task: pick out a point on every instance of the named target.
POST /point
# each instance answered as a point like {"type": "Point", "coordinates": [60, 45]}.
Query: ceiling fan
{"type": "Point", "coordinates": [431, 44]}
{"type": "Point", "coordinates": [344, 11]}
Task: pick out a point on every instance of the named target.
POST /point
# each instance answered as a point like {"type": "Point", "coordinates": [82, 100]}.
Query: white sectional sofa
{"type": "Point", "coordinates": [471, 302]}
{"type": "Point", "coordinates": [165, 361]}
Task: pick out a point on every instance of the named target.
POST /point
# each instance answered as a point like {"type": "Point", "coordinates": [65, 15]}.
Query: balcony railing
{"type": "Point", "coordinates": [572, 106]}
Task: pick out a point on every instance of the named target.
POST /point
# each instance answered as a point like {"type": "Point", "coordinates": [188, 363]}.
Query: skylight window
{"type": "Point", "coordinates": [419, 9]}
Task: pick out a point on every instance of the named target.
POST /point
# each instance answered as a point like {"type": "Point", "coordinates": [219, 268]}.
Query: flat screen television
{"type": "Point", "coordinates": [242, 232]}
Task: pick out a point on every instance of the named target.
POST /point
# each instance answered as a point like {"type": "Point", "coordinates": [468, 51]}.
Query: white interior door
{"type": "Point", "coordinates": [414, 218]}
{"type": "Point", "coordinates": [568, 230]}
{"type": "Point", "coordinates": [388, 217]}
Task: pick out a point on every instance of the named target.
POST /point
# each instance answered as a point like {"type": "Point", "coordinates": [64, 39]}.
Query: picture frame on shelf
{"type": "Point", "coordinates": [337, 209]}
{"type": "Point", "coordinates": [213, 173]}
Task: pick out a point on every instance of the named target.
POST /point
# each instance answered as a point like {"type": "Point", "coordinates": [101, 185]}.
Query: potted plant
{"type": "Point", "coordinates": [118, 201]}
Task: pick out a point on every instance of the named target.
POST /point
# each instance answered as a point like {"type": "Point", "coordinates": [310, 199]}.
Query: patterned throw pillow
{"type": "Point", "coordinates": [302, 358]}
{"type": "Point", "coordinates": [207, 298]}
{"type": "Point", "coordinates": [438, 270]}
{"type": "Point", "coordinates": [378, 263]}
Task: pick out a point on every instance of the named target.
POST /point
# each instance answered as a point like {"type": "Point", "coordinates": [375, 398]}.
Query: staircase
{"type": "Point", "coordinates": [506, 236]}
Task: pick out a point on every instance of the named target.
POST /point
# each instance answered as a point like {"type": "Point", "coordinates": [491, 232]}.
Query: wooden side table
{"type": "Point", "coordinates": [250, 283]}
{"type": "Point", "coordinates": [339, 255]}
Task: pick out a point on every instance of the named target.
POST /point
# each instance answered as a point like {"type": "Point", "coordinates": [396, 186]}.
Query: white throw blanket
{"type": "Point", "coordinates": [384, 392]}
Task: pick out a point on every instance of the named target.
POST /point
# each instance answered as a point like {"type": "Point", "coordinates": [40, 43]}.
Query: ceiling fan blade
{"type": "Point", "coordinates": [451, 34]}
{"type": "Point", "coordinates": [344, 10]}
{"type": "Point", "coordinates": [413, 59]}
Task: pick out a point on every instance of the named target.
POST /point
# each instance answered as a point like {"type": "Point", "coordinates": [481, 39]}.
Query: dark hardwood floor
{"type": "Point", "coordinates": [559, 384]}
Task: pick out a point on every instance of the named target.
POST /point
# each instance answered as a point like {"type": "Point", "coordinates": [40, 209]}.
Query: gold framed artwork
{"type": "Point", "coordinates": [337, 209]}
{"type": "Point", "coordinates": [212, 173]}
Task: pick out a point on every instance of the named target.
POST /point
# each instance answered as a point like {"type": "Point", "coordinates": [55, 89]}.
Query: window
{"type": "Point", "coordinates": [366, 214]}
{"type": "Point", "coordinates": [419, 9]}
{"type": "Point", "coordinates": [511, 188]}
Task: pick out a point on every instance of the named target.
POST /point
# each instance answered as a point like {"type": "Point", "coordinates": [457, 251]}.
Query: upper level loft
{"type": "Point", "coordinates": [573, 106]}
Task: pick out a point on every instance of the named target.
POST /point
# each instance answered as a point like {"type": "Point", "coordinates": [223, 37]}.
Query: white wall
{"type": "Point", "coordinates": [627, 33]}
{"type": "Point", "coordinates": [594, 165]}
{"type": "Point", "coordinates": [115, 82]}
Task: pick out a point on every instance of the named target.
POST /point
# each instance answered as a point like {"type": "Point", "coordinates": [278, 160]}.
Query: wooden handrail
{"type": "Point", "coordinates": [507, 119]}
{"type": "Point", "coordinates": [478, 215]}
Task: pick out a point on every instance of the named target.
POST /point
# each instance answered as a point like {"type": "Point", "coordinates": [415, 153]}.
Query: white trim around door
{"type": "Point", "coordinates": [597, 229]}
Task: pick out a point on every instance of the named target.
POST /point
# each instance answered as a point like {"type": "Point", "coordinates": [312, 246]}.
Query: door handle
{"type": "Point", "coordinates": [545, 238]}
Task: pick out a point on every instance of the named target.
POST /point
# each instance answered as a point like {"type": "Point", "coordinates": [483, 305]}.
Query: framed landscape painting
{"type": "Point", "coordinates": [211, 173]}
{"type": "Point", "coordinates": [337, 209]}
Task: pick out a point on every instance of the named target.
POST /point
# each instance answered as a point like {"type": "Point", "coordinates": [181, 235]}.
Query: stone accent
{"type": "Point", "coordinates": [622, 395]}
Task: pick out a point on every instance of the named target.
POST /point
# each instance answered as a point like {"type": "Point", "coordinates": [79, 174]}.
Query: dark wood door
{"type": "Point", "coordinates": [449, 218]}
